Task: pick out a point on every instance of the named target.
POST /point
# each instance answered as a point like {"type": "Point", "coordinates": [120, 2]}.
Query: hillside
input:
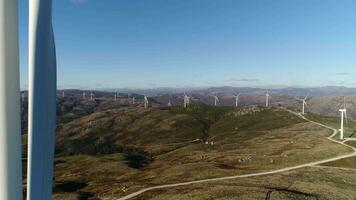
{"type": "Point", "coordinates": [114, 152]}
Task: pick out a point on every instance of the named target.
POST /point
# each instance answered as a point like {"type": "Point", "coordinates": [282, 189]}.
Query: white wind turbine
{"type": "Point", "coordinates": [216, 100]}
{"type": "Point", "coordinates": [343, 113]}
{"type": "Point", "coordinates": [237, 100]}
{"type": "Point", "coordinates": [42, 101]}
{"type": "Point", "coordinates": [186, 100]}
{"type": "Point", "coordinates": [267, 98]}
{"type": "Point", "coordinates": [145, 102]}
{"type": "Point", "coordinates": [133, 100]}
{"type": "Point", "coordinates": [304, 102]}
{"type": "Point", "coordinates": [115, 96]}
{"type": "Point", "coordinates": [10, 109]}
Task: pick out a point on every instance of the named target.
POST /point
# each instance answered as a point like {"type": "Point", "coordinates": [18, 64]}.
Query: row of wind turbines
{"type": "Point", "coordinates": [343, 111]}
{"type": "Point", "coordinates": [186, 102]}
{"type": "Point", "coordinates": [116, 97]}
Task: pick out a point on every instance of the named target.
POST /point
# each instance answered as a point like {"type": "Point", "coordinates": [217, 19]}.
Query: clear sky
{"type": "Point", "coordinates": [180, 43]}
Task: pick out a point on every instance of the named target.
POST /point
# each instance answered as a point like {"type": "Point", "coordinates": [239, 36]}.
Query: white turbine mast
{"type": "Point", "coordinates": [216, 100]}
{"type": "Point", "coordinates": [343, 114]}
{"type": "Point", "coordinates": [145, 102]}
{"type": "Point", "coordinates": [42, 101]}
{"type": "Point", "coordinates": [304, 104]}
{"type": "Point", "coordinates": [63, 93]}
{"type": "Point", "coordinates": [267, 98]}
{"type": "Point", "coordinates": [115, 96]}
{"type": "Point", "coordinates": [133, 100]}
{"type": "Point", "coordinates": [186, 100]}
{"type": "Point", "coordinates": [237, 99]}
{"type": "Point", "coordinates": [10, 109]}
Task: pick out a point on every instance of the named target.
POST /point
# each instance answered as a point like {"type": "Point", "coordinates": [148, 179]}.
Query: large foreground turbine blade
{"type": "Point", "coordinates": [42, 101]}
{"type": "Point", "coordinates": [10, 124]}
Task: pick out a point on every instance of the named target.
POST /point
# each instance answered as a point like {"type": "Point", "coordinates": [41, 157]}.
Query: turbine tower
{"type": "Point", "coordinates": [169, 104]}
{"type": "Point", "coordinates": [145, 102]}
{"type": "Point", "coordinates": [304, 101]}
{"type": "Point", "coordinates": [42, 101]}
{"type": "Point", "coordinates": [62, 93]}
{"type": "Point", "coordinates": [115, 96]}
{"type": "Point", "coordinates": [133, 100]}
{"type": "Point", "coordinates": [10, 109]}
{"type": "Point", "coordinates": [343, 113]}
{"type": "Point", "coordinates": [186, 101]}
{"type": "Point", "coordinates": [216, 100]}
{"type": "Point", "coordinates": [237, 100]}
{"type": "Point", "coordinates": [267, 98]}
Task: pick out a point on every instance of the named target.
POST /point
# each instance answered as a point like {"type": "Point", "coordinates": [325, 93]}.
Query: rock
{"type": "Point", "coordinates": [271, 161]}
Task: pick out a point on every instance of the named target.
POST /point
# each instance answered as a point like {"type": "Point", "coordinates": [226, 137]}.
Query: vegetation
{"type": "Point", "coordinates": [350, 125]}
{"type": "Point", "coordinates": [117, 151]}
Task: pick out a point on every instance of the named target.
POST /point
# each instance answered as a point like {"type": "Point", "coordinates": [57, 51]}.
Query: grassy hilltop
{"type": "Point", "coordinates": [113, 152]}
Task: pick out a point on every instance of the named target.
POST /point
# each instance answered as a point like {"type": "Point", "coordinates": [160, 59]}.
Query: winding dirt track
{"type": "Point", "coordinates": [259, 173]}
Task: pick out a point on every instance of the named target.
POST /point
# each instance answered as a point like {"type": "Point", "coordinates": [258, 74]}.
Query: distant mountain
{"type": "Point", "coordinates": [302, 91]}
{"type": "Point", "coordinates": [322, 100]}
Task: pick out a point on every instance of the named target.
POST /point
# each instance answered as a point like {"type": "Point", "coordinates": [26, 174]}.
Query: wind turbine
{"type": "Point", "coordinates": [216, 100]}
{"type": "Point", "coordinates": [133, 100]}
{"type": "Point", "coordinates": [186, 101]}
{"type": "Point", "coordinates": [267, 98]}
{"type": "Point", "coordinates": [237, 100]}
{"type": "Point", "coordinates": [10, 109]}
{"type": "Point", "coordinates": [42, 101]}
{"type": "Point", "coordinates": [145, 102]}
{"type": "Point", "coordinates": [115, 96]}
{"type": "Point", "coordinates": [343, 113]}
{"type": "Point", "coordinates": [304, 101]}
{"type": "Point", "coordinates": [63, 93]}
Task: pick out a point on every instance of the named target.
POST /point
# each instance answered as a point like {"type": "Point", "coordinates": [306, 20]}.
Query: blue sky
{"type": "Point", "coordinates": [199, 43]}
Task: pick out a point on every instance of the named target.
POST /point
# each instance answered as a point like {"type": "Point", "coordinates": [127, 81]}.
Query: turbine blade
{"type": "Point", "coordinates": [10, 131]}
{"type": "Point", "coordinates": [42, 118]}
